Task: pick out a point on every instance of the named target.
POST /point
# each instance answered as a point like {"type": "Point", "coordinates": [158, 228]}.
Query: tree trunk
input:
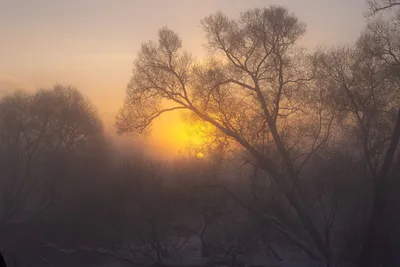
{"type": "Point", "coordinates": [377, 238]}
{"type": "Point", "coordinates": [2, 261]}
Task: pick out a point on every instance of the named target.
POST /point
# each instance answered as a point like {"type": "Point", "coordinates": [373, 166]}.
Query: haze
{"type": "Point", "coordinates": [200, 133]}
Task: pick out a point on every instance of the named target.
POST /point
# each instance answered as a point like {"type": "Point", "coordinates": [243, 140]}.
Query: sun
{"type": "Point", "coordinates": [199, 155]}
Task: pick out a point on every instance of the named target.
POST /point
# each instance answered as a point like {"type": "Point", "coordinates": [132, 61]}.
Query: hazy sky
{"type": "Point", "coordinates": [91, 44]}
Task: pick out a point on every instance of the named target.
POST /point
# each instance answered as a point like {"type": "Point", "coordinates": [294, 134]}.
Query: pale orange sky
{"type": "Point", "coordinates": [91, 44]}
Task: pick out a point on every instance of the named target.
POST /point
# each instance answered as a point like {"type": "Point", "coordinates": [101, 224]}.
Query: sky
{"type": "Point", "coordinates": [91, 44]}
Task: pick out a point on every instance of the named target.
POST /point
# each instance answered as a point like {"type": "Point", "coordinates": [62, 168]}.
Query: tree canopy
{"type": "Point", "coordinates": [282, 105]}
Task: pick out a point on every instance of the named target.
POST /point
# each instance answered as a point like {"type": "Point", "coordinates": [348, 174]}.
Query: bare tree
{"type": "Point", "coordinates": [34, 130]}
{"type": "Point", "coordinates": [256, 89]}
{"type": "Point", "coordinates": [363, 83]}
{"type": "Point", "coordinates": [381, 40]}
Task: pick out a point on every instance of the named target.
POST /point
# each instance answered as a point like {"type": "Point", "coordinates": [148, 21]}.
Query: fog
{"type": "Point", "coordinates": [258, 153]}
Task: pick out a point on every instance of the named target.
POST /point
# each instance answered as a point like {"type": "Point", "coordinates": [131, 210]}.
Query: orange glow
{"type": "Point", "coordinates": [186, 135]}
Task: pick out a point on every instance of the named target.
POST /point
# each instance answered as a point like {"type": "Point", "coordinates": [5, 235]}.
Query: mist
{"type": "Point", "coordinates": [264, 148]}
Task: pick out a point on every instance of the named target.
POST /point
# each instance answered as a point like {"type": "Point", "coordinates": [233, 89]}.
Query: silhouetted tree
{"type": "Point", "coordinates": [382, 41]}
{"type": "Point", "coordinates": [37, 131]}
{"type": "Point", "coordinates": [363, 84]}
{"type": "Point", "coordinates": [255, 89]}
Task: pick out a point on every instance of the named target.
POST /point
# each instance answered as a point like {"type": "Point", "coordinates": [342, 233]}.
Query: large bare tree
{"type": "Point", "coordinates": [382, 41]}
{"type": "Point", "coordinates": [363, 83]}
{"type": "Point", "coordinates": [256, 88]}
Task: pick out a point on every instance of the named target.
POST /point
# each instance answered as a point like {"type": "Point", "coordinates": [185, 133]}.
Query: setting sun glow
{"type": "Point", "coordinates": [176, 135]}
{"type": "Point", "coordinates": [184, 134]}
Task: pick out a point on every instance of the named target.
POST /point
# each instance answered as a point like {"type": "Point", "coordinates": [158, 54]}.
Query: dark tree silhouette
{"type": "Point", "coordinates": [381, 40]}
{"type": "Point", "coordinates": [32, 128]}
{"type": "Point", "coordinates": [41, 134]}
{"type": "Point", "coordinates": [259, 96]}
{"type": "Point", "coordinates": [363, 84]}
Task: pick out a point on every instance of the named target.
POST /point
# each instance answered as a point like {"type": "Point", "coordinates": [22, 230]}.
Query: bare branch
{"type": "Point", "coordinates": [381, 5]}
